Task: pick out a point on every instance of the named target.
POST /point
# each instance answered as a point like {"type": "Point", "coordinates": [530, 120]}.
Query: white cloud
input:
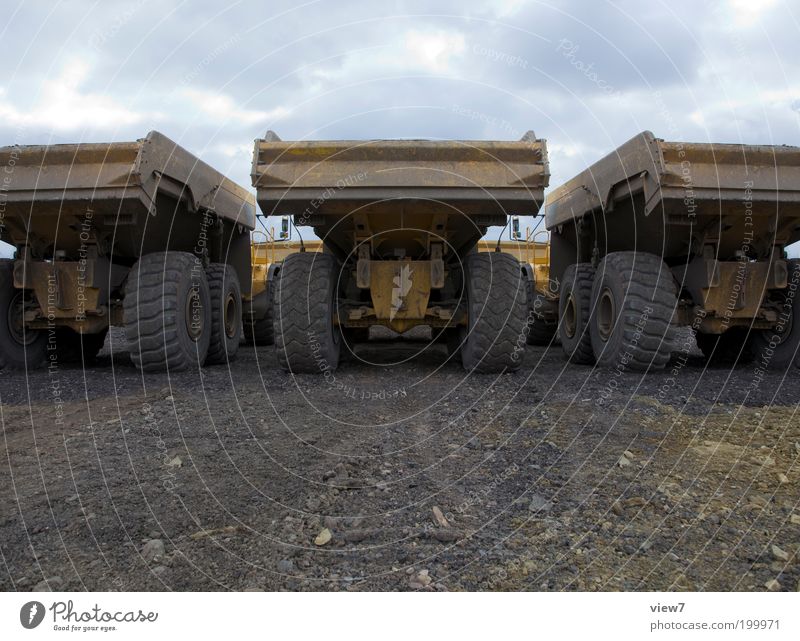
{"type": "Point", "coordinates": [222, 108]}
{"type": "Point", "coordinates": [414, 51]}
{"type": "Point", "coordinates": [235, 150]}
{"type": "Point", "coordinates": [63, 106]}
{"type": "Point", "coordinates": [747, 12]}
{"type": "Point", "coordinates": [568, 150]}
{"type": "Point", "coordinates": [506, 8]}
{"type": "Point", "coordinates": [434, 49]}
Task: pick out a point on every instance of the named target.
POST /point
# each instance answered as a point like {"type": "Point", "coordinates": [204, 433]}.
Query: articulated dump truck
{"type": "Point", "coordinates": [659, 235]}
{"type": "Point", "coordinates": [139, 234]}
{"type": "Point", "coordinates": [400, 222]}
{"type": "Point", "coordinates": [267, 256]}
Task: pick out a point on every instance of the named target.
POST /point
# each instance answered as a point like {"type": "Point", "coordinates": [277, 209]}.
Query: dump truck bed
{"type": "Point", "coordinates": [130, 193]}
{"type": "Point", "coordinates": [389, 185]}
{"type": "Point", "coordinates": [668, 196]}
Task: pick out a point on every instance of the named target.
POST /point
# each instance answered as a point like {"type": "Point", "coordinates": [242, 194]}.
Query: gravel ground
{"type": "Point", "coordinates": [399, 473]}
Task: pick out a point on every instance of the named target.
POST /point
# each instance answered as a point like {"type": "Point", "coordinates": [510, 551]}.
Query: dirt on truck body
{"type": "Point", "coordinates": [141, 234]}
{"type": "Point", "coordinates": [663, 234]}
{"type": "Point", "coordinates": [400, 221]}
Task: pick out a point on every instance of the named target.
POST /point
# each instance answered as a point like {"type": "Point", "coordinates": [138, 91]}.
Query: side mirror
{"type": "Point", "coordinates": [516, 234]}
{"type": "Point", "coordinates": [286, 229]}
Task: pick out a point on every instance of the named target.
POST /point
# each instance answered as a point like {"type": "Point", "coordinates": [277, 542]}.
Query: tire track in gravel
{"type": "Point", "coordinates": [259, 463]}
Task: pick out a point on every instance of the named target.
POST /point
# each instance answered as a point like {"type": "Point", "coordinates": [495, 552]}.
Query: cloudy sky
{"type": "Point", "coordinates": [584, 75]}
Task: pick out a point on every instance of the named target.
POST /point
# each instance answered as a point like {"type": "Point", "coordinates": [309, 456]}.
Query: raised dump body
{"type": "Point", "coordinates": [138, 197]}
{"type": "Point", "coordinates": [400, 220]}
{"type": "Point", "coordinates": [87, 220]}
{"type": "Point", "coordinates": [710, 221]}
{"type": "Point", "coordinates": [670, 198]}
{"type": "Point", "coordinates": [400, 193]}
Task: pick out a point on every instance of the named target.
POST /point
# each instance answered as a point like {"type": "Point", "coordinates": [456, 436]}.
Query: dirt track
{"type": "Point", "coordinates": [557, 477]}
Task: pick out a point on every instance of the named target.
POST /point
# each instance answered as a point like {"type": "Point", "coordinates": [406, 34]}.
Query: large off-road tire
{"type": "Point", "coordinates": [540, 332]}
{"type": "Point", "coordinates": [226, 313]}
{"type": "Point", "coordinates": [728, 348]}
{"type": "Point", "coordinates": [72, 347]}
{"type": "Point", "coordinates": [779, 348]}
{"type": "Point", "coordinates": [261, 331]}
{"type": "Point", "coordinates": [496, 306]}
{"type": "Point", "coordinates": [574, 312]}
{"type": "Point", "coordinates": [167, 312]}
{"type": "Point", "coordinates": [20, 348]}
{"type": "Point", "coordinates": [306, 339]}
{"type": "Point", "coordinates": [633, 301]}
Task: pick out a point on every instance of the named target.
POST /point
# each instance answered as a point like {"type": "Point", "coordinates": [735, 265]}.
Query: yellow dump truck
{"type": "Point", "coordinates": [661, 234]}
{"type": "Point", "coordinates": [266, 257]}
{"type": "Point", "coordinates": [533, 251]}
{"type": "Point", "coordinates": [140, 234]}
{"type": "Point", "coordinates": [400, 222]}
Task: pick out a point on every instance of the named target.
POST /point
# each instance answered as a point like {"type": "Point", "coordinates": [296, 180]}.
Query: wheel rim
{"type": "Point", "coordinates": [16, 320]}
{"type": "Point", "coordinates": [194, 314]}
{"type": "Point", "coordinates": [230, 316]}
{"type": "Point", "coordinates": [606, 314]}
{"type": "Point", "coordinates": [570, 316]}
